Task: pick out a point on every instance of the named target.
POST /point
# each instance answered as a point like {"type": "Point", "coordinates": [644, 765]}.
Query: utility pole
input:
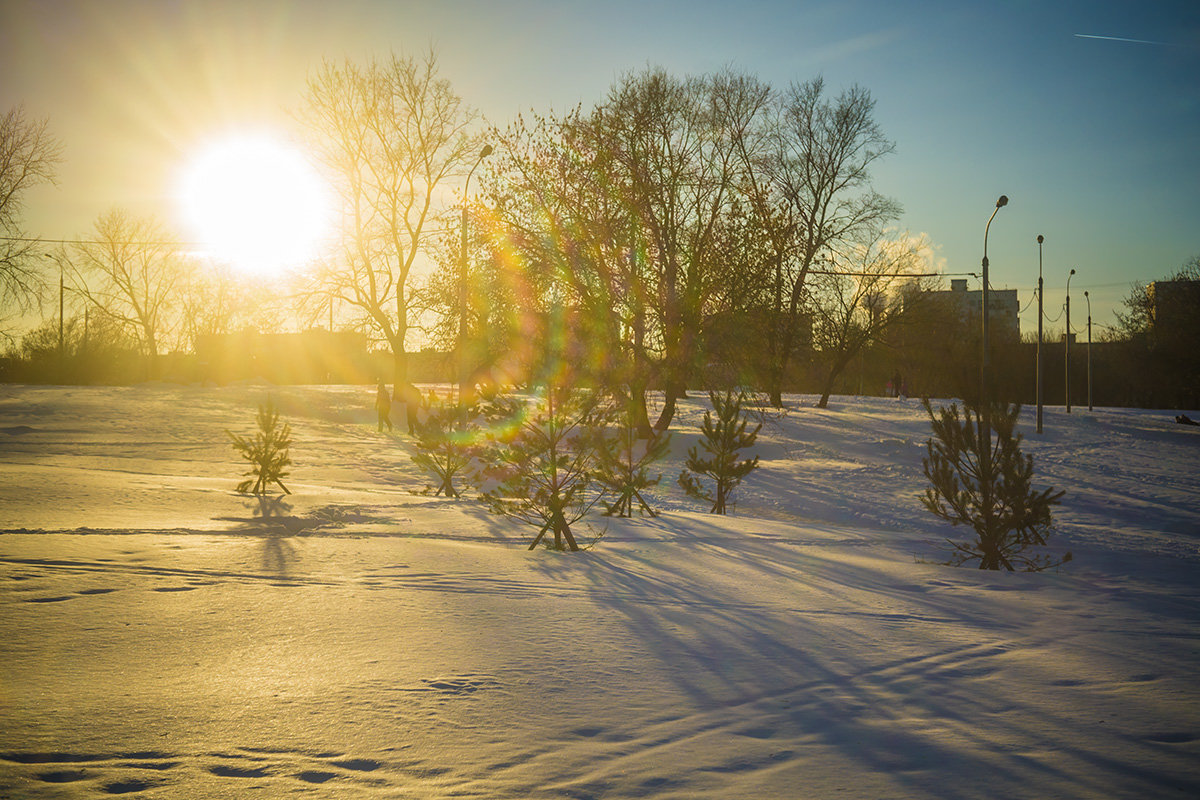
{"type": "Point", "coordinates": [1067, 350]}
{"type": "Point", "coordinates": [1089, 349]}
{"type": "Point", "coordinates": [1039, 339]}
{"type": "Point", "coordinates": [985, 402]}
{"type": "Point", "coordinates": [463, 374]}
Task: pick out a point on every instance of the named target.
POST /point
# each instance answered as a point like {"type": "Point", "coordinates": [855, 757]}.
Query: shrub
{"type": "Point", "coordinates": [982, 480]}
{"type": "Point", "coordinates": [624, 470]}
{"type": "Point", "coordinates": [267, 452]}
{"type": "Point", "coordinates": [548, 468]}
{"type": "Point", "coordinates": [445, 444]}
{"type": "Point", "coordinates": [723, 440]}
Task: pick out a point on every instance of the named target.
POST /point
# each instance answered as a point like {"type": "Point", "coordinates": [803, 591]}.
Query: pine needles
{"type": "Point", "coordinates": [723, 440]}
{"type": "Point", "coordinates": [267, 452]}
{"type": "Point", "coordinates": [986, 484]}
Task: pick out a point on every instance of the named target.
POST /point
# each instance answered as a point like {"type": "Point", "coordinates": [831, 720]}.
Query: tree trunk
{"type": "Point", "coordinates": [775, 384]}
{"type": "Point", "coordinates": [719, 504]}
{"type": "Point", "coordinates": [668, 410]}
{"type": "Point", "coordinates": [399, 372]}
{"type": "Point", "coordinates": [838, 367]}
{"type": "Point", "coordinates": [639, 416]}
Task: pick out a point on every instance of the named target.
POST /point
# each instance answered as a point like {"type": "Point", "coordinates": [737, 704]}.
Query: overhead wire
{"type": "Point", "coordinates": [835, 273]}
{"type": "Point", "coordinates": [148, 242]}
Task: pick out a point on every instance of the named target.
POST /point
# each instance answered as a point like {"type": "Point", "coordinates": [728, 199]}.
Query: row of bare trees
{"type": "Point", "coordinates": [129, 280]}
{"type": "Point", "coordinates": [683, 229]}
{"type": "Point", "coordinates": [685, 222]}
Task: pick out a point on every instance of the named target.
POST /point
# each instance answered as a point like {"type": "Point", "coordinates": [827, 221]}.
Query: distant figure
{"type": "Point", "coordinates": [1184, 419]}
{"type": "Point", "coordinates": [383, 405]}
{"type": "Point", "coordinates": [896, 385]}
{"type": "Point", "coordinates": [903, 388]}
{"type": "Point", "coordinates": [412, 403]}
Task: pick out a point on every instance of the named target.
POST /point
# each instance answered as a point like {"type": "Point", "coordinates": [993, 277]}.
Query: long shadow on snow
{"type": "Point", "coordinates": [804, 681]}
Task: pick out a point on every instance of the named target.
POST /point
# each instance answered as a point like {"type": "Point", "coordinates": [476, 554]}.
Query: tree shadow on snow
{"type": "Point", "coordinates": [854, 655]}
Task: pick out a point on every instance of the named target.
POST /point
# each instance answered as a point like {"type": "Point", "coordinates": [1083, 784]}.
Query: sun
{"type": "Point", "coordinates": [256, 203]}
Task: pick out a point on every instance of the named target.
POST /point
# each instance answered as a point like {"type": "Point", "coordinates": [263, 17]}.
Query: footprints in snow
{"type": "Point", "coordinates": [102, 591]}
{"type": "Point", "coordinates": [55, 768]}
{"type": "Point", "coordinates": [117, 773]}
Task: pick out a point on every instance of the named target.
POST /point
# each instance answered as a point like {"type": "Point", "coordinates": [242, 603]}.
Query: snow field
{"type": "Point", "coordinates": [159, 637]}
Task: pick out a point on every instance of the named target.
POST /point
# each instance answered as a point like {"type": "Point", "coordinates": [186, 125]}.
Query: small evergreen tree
{"type": "Point", "coordinates": [267, 452]}
{"type": "Point", "coordinates": [723, 440]}
{"type": "Point", "coordinates": [624, 470]}
{"type": "Point", "coordinates": [445, 444]}
{"type": "Point", "coordinates": [985, 483]}
{"type": "Point", "coordinates": [547, 470]}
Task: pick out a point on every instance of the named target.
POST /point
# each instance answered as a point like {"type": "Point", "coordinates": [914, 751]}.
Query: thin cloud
{"type": "Point", "coordinates": [857, 45]}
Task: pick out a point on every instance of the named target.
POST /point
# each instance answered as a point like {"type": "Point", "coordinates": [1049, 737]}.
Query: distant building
{"type": "Point", "coordinates": [314, 356]}
{"type": "Point", "coordinates": [1173, 305]}
{"type": "Point", "coordinates": [967, 305]}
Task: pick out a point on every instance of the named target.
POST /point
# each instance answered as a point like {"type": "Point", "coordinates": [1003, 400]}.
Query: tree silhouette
{"type": "Point", "coordinates": [393, 134]}
{"type": "Point", "coordinates": [548, 469]}
{"type": "Point", "coordinates": [267, 452]}
{"type": "Point", "coordinates": [723, 440]}
{"type": "Point", "coordinates": [624, 470]}
{"type": "Point", "coordinates": [992, 495]}
{"type": "Point", "coordinates": [29, 156]}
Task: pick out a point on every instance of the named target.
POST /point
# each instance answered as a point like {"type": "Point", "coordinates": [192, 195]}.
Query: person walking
{"type": "Point", "coordinates": [383, 406]}
{"type": "Point", "coordinates": [412, 403]}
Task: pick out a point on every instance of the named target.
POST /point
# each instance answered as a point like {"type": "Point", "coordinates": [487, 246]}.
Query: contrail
{"type": "Point", "coordinates": [1118, 39]}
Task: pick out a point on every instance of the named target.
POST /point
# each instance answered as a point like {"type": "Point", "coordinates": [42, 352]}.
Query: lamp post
{"type": "Point", "coordinates": [985, 410]}
{"type": "Point", "coordinates": [1039, 339]}
{"type": "Point", "coordinates": [1089, 348]}
{"type": "Point", "coordinates": [61, 290]}
{"type": "Point", "coordinates": [1067, 348]}
{"type": "Point", "coordinates": [462, 284]}
{"type": "Point", "coordinates": [985, 370]}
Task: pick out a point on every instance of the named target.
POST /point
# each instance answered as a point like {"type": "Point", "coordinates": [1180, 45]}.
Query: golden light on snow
{"type": "Point", "coordinates": [256, 203]}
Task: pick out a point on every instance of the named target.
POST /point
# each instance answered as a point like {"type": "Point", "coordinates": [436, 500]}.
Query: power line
{"type": "Point", "coordinates": [836, 273]}
{"type": "Point", "coordinates": [148, 242]}
{"type": "Point", "coordinates": [846, 274]}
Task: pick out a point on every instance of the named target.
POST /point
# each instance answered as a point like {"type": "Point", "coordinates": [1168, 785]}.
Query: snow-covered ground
{"type": "Point", "coordinates": [159, 637]}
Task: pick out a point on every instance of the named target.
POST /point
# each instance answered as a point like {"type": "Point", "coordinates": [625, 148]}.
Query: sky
{"type": "Point", "coordinates": [1085, 114]}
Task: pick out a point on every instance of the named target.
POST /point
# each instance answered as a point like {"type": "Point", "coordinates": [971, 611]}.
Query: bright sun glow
{"type": "Point", "coordinates": [256, 204]}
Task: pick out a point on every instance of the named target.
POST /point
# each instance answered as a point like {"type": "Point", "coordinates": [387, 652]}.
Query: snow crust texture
{"type": "Point", "coordinates": [162, 636]}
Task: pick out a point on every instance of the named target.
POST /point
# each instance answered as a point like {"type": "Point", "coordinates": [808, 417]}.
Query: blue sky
{"type": "Point", "coordinates": [1095, 141]}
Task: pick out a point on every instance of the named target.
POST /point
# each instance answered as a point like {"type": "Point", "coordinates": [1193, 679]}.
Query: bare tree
{"type": "Point", "coordinates": [820, 159]}
{"type": "Point", "coordinates": [392, 133]}
{"type": "Point", "coordinates": [28, 157]}
{"type": "Point", "coordinates": [856, 301]}
{"type": "Point", "coordinates": [675, 139]}
{"type": "Point", "coordinates": [211, 301]}
{"type": "Point", "coordinates": [619, 214]}
{"type": "Point", "coordinates": [132, 272]}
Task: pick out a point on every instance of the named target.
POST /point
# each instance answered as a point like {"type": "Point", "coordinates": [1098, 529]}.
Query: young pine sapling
{"type": "Point", "coordinates": [981, 479]}
{"type": "Point", "coordinates": [624, 471]}
{"type": "Point", "coordinates": [723, 441]}
{"type": "Point", "coordinates": [547, 471]}
{"type": "Point", "coordinates": [445, 444]}
{"type": "Point", "coordinates": [267, 452]}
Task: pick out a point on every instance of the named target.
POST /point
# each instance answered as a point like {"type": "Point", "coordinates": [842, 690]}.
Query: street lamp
{"type": "Point", "coordinates": [1067, 348]}
{"type": "Point", "coordinates": [1089, 348]}
{"type": "Point", "coordinates": [462, 283]}
{"type": "Point", "coordinates": [60, 302]}
{"type": "Point", "coordinates": [985, 369]}
{"type": "Point", "coordinates": [985, 411]}
{"type": "Point", "coordinates": [1039, 339]}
